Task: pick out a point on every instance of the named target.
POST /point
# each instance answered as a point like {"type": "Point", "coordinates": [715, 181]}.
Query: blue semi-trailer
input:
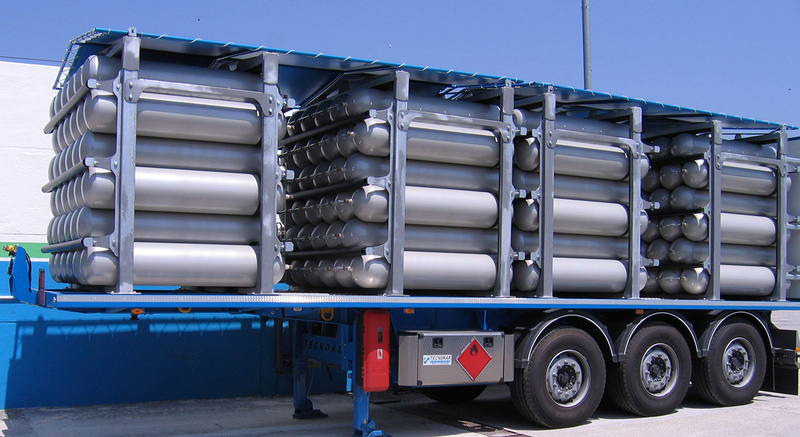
{"type": "Point", "coordinates": [426, 228]}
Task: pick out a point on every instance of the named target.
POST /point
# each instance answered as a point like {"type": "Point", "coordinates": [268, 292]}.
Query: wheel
{"type": "Point", "coordinates": [453, 395]}
{"type": "Point", "coordinates": [655, 375]}
{"type": "Point", "coordinates": [564, 380]}
{"type": "Point", "coordinates": [734, 369]}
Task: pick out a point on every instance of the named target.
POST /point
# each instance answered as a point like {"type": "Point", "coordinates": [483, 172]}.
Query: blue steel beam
{"type": "Point", "coordinates": [161, 301]}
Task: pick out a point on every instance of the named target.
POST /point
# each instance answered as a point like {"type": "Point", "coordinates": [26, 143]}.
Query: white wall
{"type": "Point", "coordinates": [26, 91]}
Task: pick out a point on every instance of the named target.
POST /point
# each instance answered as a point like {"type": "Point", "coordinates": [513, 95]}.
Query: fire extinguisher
{"type": "Point", "coordinates": [373, 346]}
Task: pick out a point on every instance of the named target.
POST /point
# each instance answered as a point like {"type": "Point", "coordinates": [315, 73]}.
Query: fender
{"type": "Point", "coordinates": [708, 334]}
{"type": "Point", "coordinates": [683, 325]}
{"type": "Point", "coordinates": [528, 340]}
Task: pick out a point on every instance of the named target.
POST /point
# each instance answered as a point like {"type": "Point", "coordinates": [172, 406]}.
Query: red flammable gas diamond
{"type": "Point", "coordinates": [474, 358]}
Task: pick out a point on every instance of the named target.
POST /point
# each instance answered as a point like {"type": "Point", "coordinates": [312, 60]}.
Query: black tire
{"type": "Point", "coordinates": [734, 369]}
{"type": "Point", "coordinates": [563, 383]}
{"type": "Point", "coordinates": [655, 376]}
{"type": "Point", "coordinates": [453, 395]}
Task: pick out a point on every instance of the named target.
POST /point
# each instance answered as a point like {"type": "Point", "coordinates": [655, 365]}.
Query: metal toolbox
{"type": "Point", "coordinates": [428, 358]}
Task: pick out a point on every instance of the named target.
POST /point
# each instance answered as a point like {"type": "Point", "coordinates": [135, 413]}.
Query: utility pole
{"type": "Point", "coordinates": [587, 47]}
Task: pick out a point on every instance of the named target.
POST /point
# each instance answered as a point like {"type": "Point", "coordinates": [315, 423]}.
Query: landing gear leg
{"type": "Point", "coordinates": [303, 408]}
{"type": "Point", "coordinates": [364, 426]}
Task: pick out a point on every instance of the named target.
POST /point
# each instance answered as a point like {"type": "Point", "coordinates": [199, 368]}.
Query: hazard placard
{"type": "Point", "coordinates": [474, 358]}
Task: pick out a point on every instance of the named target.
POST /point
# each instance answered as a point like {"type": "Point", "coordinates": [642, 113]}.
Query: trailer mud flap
{"type": "Point", "coordinates": [783, 377]}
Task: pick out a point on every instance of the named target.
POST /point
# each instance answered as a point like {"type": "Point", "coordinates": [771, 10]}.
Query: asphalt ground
{"type": "Point", "coordinates": [404, 413]}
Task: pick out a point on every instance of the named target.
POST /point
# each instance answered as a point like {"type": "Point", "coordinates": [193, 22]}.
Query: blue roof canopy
{"type": "Point", "coordinates": [587, 100]}
{"type": "Point", "coordinates": [303, 75]}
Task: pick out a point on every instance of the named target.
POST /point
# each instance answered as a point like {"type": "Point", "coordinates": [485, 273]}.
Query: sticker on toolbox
{"type": "Point", "coordinates": [474, 358]}
{"type": "Point", "coordinates": [437, 360]}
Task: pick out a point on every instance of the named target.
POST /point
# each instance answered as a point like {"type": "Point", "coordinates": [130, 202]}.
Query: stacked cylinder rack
{"type": "Point", "coordinates": [338, 213]}
{"type": "Point", "coordinates": [717, 203]}
{"type": "Point", "coordinates": [198, 170]}
{"type": "Point", "coordinates": [172, 175]}
{"type": "Point", "coordinates": [595, 201]}
{"type": "Point", "coordinates": [339, 202]}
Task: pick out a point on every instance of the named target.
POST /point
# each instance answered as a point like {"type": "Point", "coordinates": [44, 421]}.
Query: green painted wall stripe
{"type": "Point", "coordinates": [34, 249]}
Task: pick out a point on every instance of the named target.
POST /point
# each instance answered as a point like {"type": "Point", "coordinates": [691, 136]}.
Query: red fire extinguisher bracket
{"type": "Point", "coordinates": [374, 349]}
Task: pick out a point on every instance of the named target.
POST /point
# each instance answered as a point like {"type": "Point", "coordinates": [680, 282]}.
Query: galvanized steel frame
{"type": "Point", "coordinates": [507, 194]}
{"type": "Point", "coordinates": [714, 213]}
{"type": "Point", "coordinates": [780, 167]}
{"type": "Point", "coordinates": [128, 88]}
{"type": "Point", "coordinates": [548, 136]}
{"type": "Point", "coordinates": [124, 163]}
{"type": "Point", "coordinates": [400, 118]}
{"type": "Point", "coordinates": [546, 194]}
{"type": "Point", "coordinates": [716, 160]}
{"type": "Point", "coordinates": [396, 184]}
{"type": "Point", "coordinates": [271, 105]}
{"type": "Point", "coordinates": [635, 204]}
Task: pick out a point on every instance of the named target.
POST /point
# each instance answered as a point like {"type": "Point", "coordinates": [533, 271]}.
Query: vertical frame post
{"type": "Point", "coordinates": [124, 162]}
{"type": "Point", "coordinates": [781, 240]}
{"type": "Point", "coordinates": [635, 205]}
{"type": "Point", "coordinates": [713, 212]}
{"type": "Point", "coordinates": [507, 193]}
{"type": "Point", "coordinates": [271, 107]}
{"type": "Point", "coordinates": [396, 185]}
{"type": "Point", "coordinates": [546, 194]}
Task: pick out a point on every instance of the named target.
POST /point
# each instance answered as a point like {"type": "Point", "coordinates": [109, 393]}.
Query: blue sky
{"type": "Point", "coordinates": [737, 57]}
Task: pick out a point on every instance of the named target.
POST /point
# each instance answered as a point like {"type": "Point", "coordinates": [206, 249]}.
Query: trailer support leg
{"type": "Point", "coordinates": [303, 407]}
{"type": "Point", "coordinates": [19, 275]}
{"type": "Point", "coordinates": [364, 426]}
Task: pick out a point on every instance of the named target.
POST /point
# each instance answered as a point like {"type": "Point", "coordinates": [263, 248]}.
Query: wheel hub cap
{"type": "Point", "coordinates": [565, 379]}
{"type": "Point", "coordinates": [736, 363]}
{"type": "Point", "coordinates": [657, 370]}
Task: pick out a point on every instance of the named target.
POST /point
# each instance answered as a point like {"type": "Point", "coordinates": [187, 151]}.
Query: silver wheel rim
{"type": "Point", "coordinates": [568, 378]}
{"type": "Point", "coordinates": [658, 370]}
{"type": "Point", "coordinates": [737, 362]}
